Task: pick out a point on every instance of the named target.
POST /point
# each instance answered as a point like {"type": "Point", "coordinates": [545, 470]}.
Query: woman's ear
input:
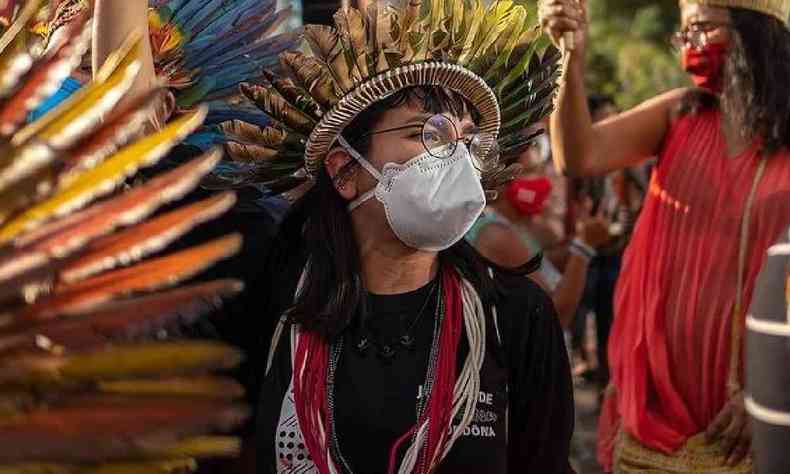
{"type": "Point", "coordinates": [338, 164]}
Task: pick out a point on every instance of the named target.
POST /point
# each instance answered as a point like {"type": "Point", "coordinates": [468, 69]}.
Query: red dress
{"type": "Point", "coordinates": [669, 348]}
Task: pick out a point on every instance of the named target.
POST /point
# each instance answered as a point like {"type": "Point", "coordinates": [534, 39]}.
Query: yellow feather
{"type": "Point", "coordinates": [514, 29]}
{"type": "Point", "coordinates": [150, 467]}
{"type": "Point", "coordinates": [139, 360]}
{"type": "Point", "coordinates": [472, 22]}
{"type": "Point", "coordinates": [351, 28]}
{"type": "Point", "coordinates": [455, 10]}
{"type": "Point", "coordinates": [202, 447]}
{"type": "Point", "coordinates": [86, 105]}
{"type": "Point", "coordinates": [19, 27]}
{"type": "Point", "coordinates": [494, 24]}
{"type": "Point", "coordinates": [106, 176]}
{"type": "Point", "coordinates": [205, 386]}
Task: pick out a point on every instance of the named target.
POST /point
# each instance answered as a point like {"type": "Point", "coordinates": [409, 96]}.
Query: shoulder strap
{"type": "Point", "coordinates": [278, 331]}
{"type": "Point", "coordinates": [494, 314]}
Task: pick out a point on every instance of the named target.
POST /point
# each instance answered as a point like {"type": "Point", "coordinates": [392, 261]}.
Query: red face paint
{"type": "Point", "coordinates": [706, 65]}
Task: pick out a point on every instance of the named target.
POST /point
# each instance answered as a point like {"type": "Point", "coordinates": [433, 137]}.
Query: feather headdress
{"type": "Point", "coordinates": [89, 381]}
{"type": "Point", "coordinates": [203, 50]}
{"type": "Point", "coordinates": [494, 56]}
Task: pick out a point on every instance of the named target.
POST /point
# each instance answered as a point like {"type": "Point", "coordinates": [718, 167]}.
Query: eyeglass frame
{"type": "Point", "coordinates": [683, 37]}
{"type": "Point", "coordinates": [466, 139]}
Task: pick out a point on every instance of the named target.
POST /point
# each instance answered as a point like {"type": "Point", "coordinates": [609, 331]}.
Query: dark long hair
{"type": "Point", "coordinates": [332, 292]}
{"type": "Point", "coordinates": [755, 79]}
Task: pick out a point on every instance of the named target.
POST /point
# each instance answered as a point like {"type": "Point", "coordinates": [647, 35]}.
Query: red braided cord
{"type": "Point", "coordinates": [312, 354]}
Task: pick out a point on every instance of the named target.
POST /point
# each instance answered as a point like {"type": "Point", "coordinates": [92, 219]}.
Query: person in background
{"type": "Point", "coordinates": [718, 197]}
{"type": "Point", "coordinates": [113, 22]}
{"type": "Point", "coordinates": [508, 235]}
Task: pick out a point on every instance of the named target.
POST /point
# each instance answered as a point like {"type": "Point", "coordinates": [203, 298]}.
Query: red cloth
{"type": "Point", "coordinates": [669, 348]}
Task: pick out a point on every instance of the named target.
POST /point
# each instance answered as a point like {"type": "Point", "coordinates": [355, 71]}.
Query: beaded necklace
{"type": "Point", "coordinates": [450, 397]}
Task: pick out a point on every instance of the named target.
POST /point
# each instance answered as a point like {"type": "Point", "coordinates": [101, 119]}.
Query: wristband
{"type": "Point", "coordinates": [577, 247]}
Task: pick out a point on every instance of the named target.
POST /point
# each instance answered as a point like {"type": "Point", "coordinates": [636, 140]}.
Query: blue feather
{"type": "Point", "coordinates": [258, 50]}
{"type": "Point", "coordinates": [189, 9]}
{"type": "Point", "coordinates": [222, 44]}
{"type": "Point", "coordinates": [209, 8]}
{"type": "Point", "coordinates": [225, 43]}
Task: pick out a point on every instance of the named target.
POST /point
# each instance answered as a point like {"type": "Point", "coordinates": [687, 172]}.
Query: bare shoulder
{"type": "Point", "coordinates": [497, 233]}
{"type": "Point", "coordinates": [666, 105]}
{"type": "Point", "coordinates": [502, 245]}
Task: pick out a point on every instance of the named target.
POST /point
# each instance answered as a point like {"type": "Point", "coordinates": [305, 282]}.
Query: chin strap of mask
{"type": "Point", "coordinates": [365, 164]}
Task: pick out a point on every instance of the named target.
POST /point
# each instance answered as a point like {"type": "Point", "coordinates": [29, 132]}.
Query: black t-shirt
{"type": "Point", "coordinates": [375, 401]}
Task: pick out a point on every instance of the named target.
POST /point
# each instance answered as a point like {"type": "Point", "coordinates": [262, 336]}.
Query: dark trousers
{"type": "Point", "coordinates": [599, 298]}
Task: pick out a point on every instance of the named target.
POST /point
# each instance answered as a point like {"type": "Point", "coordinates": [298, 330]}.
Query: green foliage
{"type": "Point", "coordinates": [629, 55]}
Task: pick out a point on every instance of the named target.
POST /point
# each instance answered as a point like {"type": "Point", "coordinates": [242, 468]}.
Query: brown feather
{"type": "Point", "coordinates": [112, 428]}
{"type": "Point", "coordinates": [385, 54]}
{"type": "Point", "coordinates": [351, 29]}
{"type": "Point", "coordinates": [118, 130]}
{"type": "Point", "coordinates": [410, 14]}
{"type": "Point", "coordinates": [150, 275]}
{"type": "Point", "coordinates": [275, 106]}
{"type": "Point", "coordinates": [139, 241]}
{"type": "Point", "coordinates": [116, 362]}
{"type": "Point", "coordinates": [44, 76]}
{"type": "Point", "coordinates": [37, 184]}
{"type": "Point", "coordinates": [297, 96]}
{"type": "Point", "coordinates": [326, 46]}
{"type": "Point", "coordinates": [129, 319]}
{"type": "Point", "coordinates": [250, 152]}
{"type": "Point", "coordinates": [244, 132]}
{"type": "Point", "coordinates": [59, 238]}
{"type": "Point", "coordinates": [311, 76]}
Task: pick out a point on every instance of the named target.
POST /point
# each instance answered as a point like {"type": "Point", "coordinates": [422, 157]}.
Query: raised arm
{"type": "Point", "coordinates": [581, 148]}
{"type": "Point", "coordinates": [113, 21]}
{"type": "Point", "coordinates": [503, 246]}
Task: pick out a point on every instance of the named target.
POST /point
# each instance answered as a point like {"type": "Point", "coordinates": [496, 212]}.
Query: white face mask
{"type": "Point", "coordinates": [431, 203]}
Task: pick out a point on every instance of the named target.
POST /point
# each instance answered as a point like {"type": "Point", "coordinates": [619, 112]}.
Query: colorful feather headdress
{"type": "Point", "coordinates": [202, 51]}
{"type": "Point", "coordinates": [494, 56]}
{"type": "Point", "coordinates": [90, 380]}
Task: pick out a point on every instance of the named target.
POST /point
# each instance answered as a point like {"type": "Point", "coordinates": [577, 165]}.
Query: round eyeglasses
{"type": "Point", "coordinates": [696, 35]}
{"type": "Point", "coordinates": [440, 139]}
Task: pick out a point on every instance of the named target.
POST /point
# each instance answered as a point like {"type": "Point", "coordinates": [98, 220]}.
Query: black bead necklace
{"type": "Point", "coordinates": [386, 351]}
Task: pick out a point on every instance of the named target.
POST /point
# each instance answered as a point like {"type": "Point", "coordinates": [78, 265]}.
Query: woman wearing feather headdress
{"type": "Point", "coordinates": [718, 198]}
{"type": "Point", "coordinates": [399, 348]}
